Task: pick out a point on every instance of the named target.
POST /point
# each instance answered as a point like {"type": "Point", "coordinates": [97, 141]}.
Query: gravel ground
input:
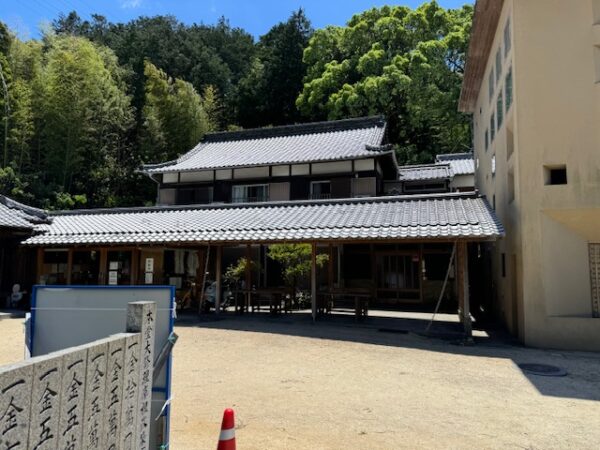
{"type": "Point", "coordinates": [299, 386]}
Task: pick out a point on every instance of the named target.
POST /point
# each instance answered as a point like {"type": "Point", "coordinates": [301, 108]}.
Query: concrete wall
{"type": "Point", "coordinates": [553, 121]}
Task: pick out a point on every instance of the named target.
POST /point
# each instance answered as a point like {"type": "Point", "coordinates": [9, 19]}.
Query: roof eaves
{"type": "Point", "coordinates": [381, 199]}
{"type": "Point", "coordinates": [484, 26]}
{"type": "Point", "coordinates": [382, 152]}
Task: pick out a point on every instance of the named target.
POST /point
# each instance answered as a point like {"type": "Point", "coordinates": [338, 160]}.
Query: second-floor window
{"type": "Point", "coordinates": [509, 89]}
{"type": "Point", "coordinates": [250, 193]}
{"type": "Point", "coordinates": [507, 41]}
{"type": "Point", "coordinates": [320, 190]}
{"type": "Point", "coordinates": [499, 110]}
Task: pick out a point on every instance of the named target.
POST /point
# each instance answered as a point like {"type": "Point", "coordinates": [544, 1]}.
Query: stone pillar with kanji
{"type": "Point", "coordinates": [141, 318]}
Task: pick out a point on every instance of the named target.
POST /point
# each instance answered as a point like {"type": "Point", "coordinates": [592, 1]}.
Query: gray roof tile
{"type": "Point", "coordinates": [460, 163]}
{"type": "Point", "coordinates": [424, 172]}
{"type": "Point", "coordinates": [447, 216]}
{"type": "Point", "coordinates": [321, 141]}
{"type": "Point", "coordinates": [15, 215]}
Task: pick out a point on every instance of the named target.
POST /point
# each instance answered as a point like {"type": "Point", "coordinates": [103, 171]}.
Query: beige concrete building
{"type": "Point", "coordinates": [532, 85]}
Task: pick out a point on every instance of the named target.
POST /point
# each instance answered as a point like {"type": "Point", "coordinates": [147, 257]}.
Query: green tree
{"type": "Point", "coordinates": [217, 55]}
{"type": "Point", "coordinates": [174, 116]}
{"type": "Point", "coordinates": [267, 94]}
{"type": "Point", "coordinates": [5, 77]}
{"type": "Point", "coordinates": [406, 64]}
{"type": "Point", "coordinates": [295, 260]}
{"type": "Point", "coordinates": [85, 118]}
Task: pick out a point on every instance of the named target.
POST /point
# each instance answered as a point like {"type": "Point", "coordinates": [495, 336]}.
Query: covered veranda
{"type": "Point", "coordinates": [387, 253]}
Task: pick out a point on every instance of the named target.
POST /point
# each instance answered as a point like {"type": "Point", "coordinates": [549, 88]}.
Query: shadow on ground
{"type": "Point", "coordinates": [445, 335]}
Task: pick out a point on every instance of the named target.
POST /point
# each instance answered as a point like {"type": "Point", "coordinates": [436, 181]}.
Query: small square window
{"type": "Point", "coordinates": [492, 128]}
{"type": "Point", "coordinates": [554, 175]}
{"type": "Point", "coordinates": [494, 165]}
{"type": "Point", "coordinates": [487, 140]}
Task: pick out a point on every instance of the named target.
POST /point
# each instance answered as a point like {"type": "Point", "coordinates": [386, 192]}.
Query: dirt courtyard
{"type": "Point", "coordinates": [294, 385]}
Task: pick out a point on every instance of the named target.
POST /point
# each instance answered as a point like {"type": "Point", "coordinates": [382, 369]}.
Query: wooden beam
{"type": "Point", "coordinates": [219, 257]}
{"type": "Point", "coordinates": [313, 281]}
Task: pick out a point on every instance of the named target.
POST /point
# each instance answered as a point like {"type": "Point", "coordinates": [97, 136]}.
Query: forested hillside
{"type": "Point", "coordinates": [84, 106]}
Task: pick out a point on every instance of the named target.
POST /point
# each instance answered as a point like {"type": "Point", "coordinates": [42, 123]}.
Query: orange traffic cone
{"type": "Point", "coordinates": [227, 436]}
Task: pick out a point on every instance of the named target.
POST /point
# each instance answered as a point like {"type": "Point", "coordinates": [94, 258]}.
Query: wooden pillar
{"type": "Point", "coordinates": [40, 265]}
{"type": "Point", "coordinates": [313, 280]}
{"type": "Point", "coordinates": [330, 273]}
{"type": "Point", "coordinates": [69, 265]}
{"type": "Point", "coordinates": [135, 266]}
{"type": "Point", "coordinates": [203, 257]}
{"type": "Point", "coordinates": [248, 277]}
{"type": "Point", "coordinates": [103, 266]}
{"type": "Point", "coordinates": [218, 259]}
{"type": "Point", "coordinates": [373, 272]}
{"type": "Point", "coordinates": [462, 279]}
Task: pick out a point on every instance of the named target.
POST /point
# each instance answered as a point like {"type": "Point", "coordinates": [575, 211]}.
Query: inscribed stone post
{"type": "Point", "coordinates": [130, 396]}
{"type": "Point", "coordinates": [141, 317]}
{"type": "Point", "coordinates": [114, 392]}
{"type": "Point", "coordinates": [45, 402]}
{"type": "Point", "coordinates": [15, 404]}
{"type": "Point", "coordinates": [95, 389]}
{"type": "Point", "coordinates": [74, 366]}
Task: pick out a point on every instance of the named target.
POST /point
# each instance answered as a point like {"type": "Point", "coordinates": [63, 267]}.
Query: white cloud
{"type": "Point", "coordinates": [130, 4]}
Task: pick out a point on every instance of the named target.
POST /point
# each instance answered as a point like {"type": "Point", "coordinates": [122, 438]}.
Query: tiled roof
{"type": "Point", "coordinates": [460, 163]}
{"type": "Point", "coordinates": [320, 141]}
{"type": "Point", "coordinates": [447, 216]}
{"type": "Point", "coordinates": [15, 215]}
{"type": "Point", "coordinates": [425, 172]}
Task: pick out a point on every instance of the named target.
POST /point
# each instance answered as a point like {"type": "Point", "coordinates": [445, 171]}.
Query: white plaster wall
{"type": "Point", "coordinates": [251, 172]}
{"type": "Point", "coordinates": [170, 177]}
{"type": "Point", "coordinates": [364, 165]}
{"type": "Point", "coordinates": [186, 177]}
{"type": "Point", "coordinates": [280, 171]}
{"type": "Point", "coordinates": [332, 167]}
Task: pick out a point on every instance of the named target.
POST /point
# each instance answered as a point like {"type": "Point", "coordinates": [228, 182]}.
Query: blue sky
{"type": "Point", "coordinates": [256, 16]}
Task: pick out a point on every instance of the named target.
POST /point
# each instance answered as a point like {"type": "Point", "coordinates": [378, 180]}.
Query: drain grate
{"type": "Point", "coordinates": [544, 370]}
